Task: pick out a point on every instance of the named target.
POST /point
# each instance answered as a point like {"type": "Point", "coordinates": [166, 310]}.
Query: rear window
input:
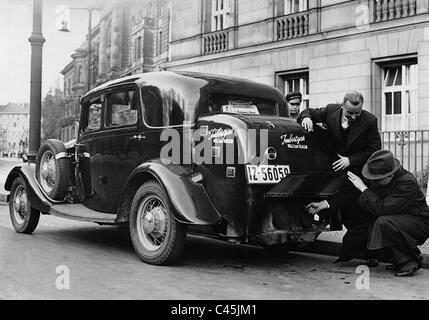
{"type": "Point", "coordinates": [241, 105]}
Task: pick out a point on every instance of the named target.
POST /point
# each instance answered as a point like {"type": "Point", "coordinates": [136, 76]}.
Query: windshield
{"type": "Point", "coordinates": [241, 105]}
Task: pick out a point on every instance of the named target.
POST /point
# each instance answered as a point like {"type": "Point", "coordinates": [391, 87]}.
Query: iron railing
{"type": "Point", "coordinates": [412, 149]}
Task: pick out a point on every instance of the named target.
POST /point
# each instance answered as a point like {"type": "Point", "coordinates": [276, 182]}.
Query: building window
{"type": "Point", "coordinates": [399, 97]}
{"type": "Point", "coordinates": [79, 74]}
{"type": "Point", "coordinates": [138, 48]}
{"type": "Point", "coordinates": [159, 48]}
{"type": "Point", "coordinates": [294, 6]}
{"type": "Point", "coordinates": [220, 14]}
{"type": "Point", "coordinates": [299, 82]}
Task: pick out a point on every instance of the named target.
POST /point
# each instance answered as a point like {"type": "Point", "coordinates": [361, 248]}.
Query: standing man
{"type": "Point", "coordinates": [354, 133]}
{"type": "Point", "coordinates": [294, 100]}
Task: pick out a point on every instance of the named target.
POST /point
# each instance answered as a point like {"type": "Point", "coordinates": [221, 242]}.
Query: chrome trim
{"type": "Point", "coordinates": [61, 155]}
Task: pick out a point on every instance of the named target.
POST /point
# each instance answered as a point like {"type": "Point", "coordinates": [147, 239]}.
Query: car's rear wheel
{"type": "Point", "coordinates": [156, 236]}
{"type": "Point", "coordinates": [24, 218]}
{"type": "Point", "coordinates": [53, 169]}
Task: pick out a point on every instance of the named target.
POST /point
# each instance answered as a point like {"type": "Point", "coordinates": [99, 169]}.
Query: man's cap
{"type": "Point", "coordinates": [293, 95]}
{"type": "Point", "coordinates": [380, 165]}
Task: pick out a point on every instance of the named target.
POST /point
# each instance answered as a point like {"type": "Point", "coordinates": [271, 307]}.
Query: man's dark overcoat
{"type": "Point", "coordinates": [401, 220]}
{"type": "Point", "coordinates": [357, 143]}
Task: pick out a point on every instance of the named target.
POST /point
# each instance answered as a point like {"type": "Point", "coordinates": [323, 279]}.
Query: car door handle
{"type": "Point", "coordinates": [137, 137]}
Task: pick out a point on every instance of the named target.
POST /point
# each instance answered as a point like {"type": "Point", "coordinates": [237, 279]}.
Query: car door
{"type": "Point", "coordinates": [123, 142]}
{"type": "Point", "coordinates": [92, 139]}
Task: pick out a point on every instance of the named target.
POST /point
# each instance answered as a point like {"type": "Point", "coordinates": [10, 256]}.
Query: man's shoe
{"type": "Point", "coordinates": [371, 262]}
{"type": "Point", "coordinates": [408, 269]}
{"type": "Point", "coordinates": [391, 267]}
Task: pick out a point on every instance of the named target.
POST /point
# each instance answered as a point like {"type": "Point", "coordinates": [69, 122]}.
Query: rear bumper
{"type": "Point", "coordinates": [290, 236]}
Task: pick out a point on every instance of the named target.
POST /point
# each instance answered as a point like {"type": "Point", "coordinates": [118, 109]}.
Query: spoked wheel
{"type": "Point", "coordinates": [52, 169]}
{"type": "Point", "coordinates": [156, 236]}
{"type": "Point", "coordinates": [48, 175]}
{"type": "Point", "coordinates": [24, 218]}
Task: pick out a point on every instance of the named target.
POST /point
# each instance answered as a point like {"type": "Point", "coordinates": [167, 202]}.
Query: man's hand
{"type": "Point", "coordinates": [307, 124]}
{"type": "Point", "coordinates": [357, 182]}
{"type": "Point", "coordinates": [315, 207]}
{"type": "Point", "coordinates": [341, 164]}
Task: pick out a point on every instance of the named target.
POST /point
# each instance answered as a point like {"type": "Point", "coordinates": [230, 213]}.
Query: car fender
{"type": "Point", "coordinates": [27, 173]}
{"type": "Point", "coordinates": [190, 201]}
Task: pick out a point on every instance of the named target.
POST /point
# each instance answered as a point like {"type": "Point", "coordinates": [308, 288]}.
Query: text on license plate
{"type": "Point", "coordinates": [266, 173]}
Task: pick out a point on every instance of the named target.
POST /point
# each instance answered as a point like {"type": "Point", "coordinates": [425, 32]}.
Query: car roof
{"type": "Point", "coordinates": [198, 81]}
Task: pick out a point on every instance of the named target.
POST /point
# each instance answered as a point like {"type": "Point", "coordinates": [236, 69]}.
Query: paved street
{"type": "Point", "coordinates": [103, 265]}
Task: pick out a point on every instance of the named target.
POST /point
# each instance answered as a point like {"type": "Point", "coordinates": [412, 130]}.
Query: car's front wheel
{"type": "Point", "coordinates": [156, 236]}
{"type": "Point", "coordinates": [24, 218]}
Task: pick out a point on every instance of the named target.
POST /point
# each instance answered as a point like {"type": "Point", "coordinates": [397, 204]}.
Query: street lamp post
{"type": "Point", "coordinates": [37, 40]}
{"type": "Point", "coordinates": [89, 46]}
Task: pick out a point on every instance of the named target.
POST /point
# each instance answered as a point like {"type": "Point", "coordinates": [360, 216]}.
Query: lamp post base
{"type": "Point", "coordinates": [32, 157]}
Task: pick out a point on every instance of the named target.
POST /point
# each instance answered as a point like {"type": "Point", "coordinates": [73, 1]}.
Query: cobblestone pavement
{"type": "Point", "coordinates": [103, 265]}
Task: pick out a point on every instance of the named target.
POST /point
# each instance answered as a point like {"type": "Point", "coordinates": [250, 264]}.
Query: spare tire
{"type": "Point", "coordinates": [53, 169]}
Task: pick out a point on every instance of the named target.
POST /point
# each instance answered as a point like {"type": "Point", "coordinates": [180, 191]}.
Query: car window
{"type": "Point", "coordinates": [162, 109]}
{"type": "Point", "coordinates": [94, 116]}
{"type": "Point", "coordinates": [121, 109]}
{"type": "Point", "coordinates": [241, 105]}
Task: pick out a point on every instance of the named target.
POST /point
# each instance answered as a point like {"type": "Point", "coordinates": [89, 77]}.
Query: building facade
{"type": "Point", "coordinates": [14, 129]}
{"type": "Point", "coordinates": [321, 47]}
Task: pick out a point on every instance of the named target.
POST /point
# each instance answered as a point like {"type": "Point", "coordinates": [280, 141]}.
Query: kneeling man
{"type": "Point", "coordinates": [401, 214]}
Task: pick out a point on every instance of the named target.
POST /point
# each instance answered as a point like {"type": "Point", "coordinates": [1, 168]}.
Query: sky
{"type": "Point", "coordinates": [16, 23]}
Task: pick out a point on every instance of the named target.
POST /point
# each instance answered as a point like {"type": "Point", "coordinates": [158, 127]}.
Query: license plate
{"type": "Point", "coordinates": [266, 174]}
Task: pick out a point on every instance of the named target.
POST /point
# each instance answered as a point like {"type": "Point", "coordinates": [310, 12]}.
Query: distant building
{"type": "Point", "coordinates": [131, 37]}
{"type": "Point", "coordinates": [14, 129]}
{"type": "Point", "coordinates": [76, 84]}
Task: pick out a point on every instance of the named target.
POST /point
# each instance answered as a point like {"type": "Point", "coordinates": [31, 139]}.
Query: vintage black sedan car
{"type": "Point", "coordinates": [171, 153]}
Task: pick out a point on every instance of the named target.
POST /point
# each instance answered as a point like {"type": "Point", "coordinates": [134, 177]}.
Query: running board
{"type": "Point", "coordinates": [82, 213]}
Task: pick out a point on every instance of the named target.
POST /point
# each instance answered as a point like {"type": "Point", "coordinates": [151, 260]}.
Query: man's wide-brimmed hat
{"type": "Point", "coordinates": [380, 165]}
